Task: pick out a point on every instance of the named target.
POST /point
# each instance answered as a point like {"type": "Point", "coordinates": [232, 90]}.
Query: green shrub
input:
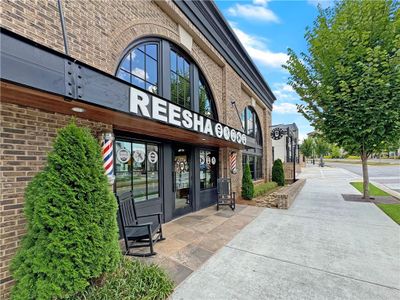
{"type": "Point", "coordinates": [72, 234]}
{"type": "Point", "coordinates": [278, 175]}
{"type": "Point", "coordinates": [263, 188]}
{"type": "Point", "coordinates": [247, 184]}
{"type": "Point", "coordinates": [133, 280]}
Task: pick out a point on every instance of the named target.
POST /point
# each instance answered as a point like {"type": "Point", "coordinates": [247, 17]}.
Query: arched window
{"type": "Point", "coordinates": [253, 155]}
{"type": "Point", "coordinates": [163, 68]}
{"type": "Point", "coordinates": [140, 66]}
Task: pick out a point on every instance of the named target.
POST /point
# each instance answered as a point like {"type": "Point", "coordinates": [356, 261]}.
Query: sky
{"type": "Point", "coordinates": [267, 28]}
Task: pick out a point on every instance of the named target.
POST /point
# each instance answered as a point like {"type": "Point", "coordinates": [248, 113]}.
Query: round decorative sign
{"type": "Point", "coordinates": [208, 160]}
{"type": "Point", "coordinates": [139, 156]}
{"type": "Point", "coordinates": [153, 157]}
{"type": "Point", "coordinates": [182, 165]}
{"type": "Point", "coordinates": [277, 133]}
{"type": "Point", "coordinates": [201, 160]}
{"type": "Point", "coordinates": [123, 155]}
{"type": "Point", "coordinates": [213, 160]}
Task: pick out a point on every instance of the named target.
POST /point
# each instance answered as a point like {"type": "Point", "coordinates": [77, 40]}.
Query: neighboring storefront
{"type": "Point", "coordinates": [167, 80]}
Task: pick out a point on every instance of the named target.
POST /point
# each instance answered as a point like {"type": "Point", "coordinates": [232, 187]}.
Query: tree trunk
{"type": "Point", "coordinates": [364, 160]}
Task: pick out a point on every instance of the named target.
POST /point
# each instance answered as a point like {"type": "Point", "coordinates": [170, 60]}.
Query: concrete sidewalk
{"type": "Point", "coordinates": [321, 248]}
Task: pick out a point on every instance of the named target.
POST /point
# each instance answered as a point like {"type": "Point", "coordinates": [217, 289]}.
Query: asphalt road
{"type": "Point", "coordinates": [386, 175]}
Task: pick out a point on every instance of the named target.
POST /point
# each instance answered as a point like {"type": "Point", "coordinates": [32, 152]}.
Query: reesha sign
{"type": "Point", "coordinates": [150, 106]}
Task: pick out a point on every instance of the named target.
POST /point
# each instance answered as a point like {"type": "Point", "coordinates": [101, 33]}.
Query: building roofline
{"type": "Point", "coordinates": [206, 16]}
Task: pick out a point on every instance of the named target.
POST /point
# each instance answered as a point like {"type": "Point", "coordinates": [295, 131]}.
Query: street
{"type": "Point", "coordinates": [388, 175]}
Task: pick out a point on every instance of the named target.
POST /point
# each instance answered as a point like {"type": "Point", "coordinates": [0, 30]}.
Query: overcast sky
{"type": "Point", "coordinates": [267, 28]}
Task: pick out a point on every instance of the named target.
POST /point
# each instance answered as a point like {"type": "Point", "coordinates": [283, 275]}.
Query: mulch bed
{"type": "Point", "coordinates": [375, 199]}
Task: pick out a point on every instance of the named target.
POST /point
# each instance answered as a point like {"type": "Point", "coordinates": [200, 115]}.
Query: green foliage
{"type": "Point", "coordinates": [350, 80]}
{"type": "Point", "coordinates": [373, 190]}
{"type": "Point", "coordinates": [308, 147]}
{"type": "Point", "coordinates": [72, 234]}
{"type": "Point", "coordinates": [133, 280]}
{"type": "Point", "coordinates": [321, 147]}
{"type": "Point", "coordinates": [278, 175]}
{"type": "Point", "coordinates": [247, 184]}
{"type": "Point", "coordinates": [392, 210]}
{"type": "Point", "coordinates": [263, 188]}
{"type": "Point", "coordinates": [335, 152]}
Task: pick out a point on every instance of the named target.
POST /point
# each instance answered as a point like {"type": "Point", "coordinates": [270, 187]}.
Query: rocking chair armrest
{"type": "Point", "coordinates": [150, 215]}
{"type": "Point", "coordinates": [139, 225]}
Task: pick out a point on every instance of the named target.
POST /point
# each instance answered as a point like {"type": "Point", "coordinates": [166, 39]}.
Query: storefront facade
{"type": "Point", "coordinates": [167, 79]}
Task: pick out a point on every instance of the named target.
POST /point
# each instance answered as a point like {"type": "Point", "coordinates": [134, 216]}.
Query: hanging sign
{"type": "Point", "coordinates": [153, 157]}
{"type": "Point", "coordinates": [139, 156]}
{"type": "Point", "coordinates": [277, 133]}
{"type": "Point", "coordinates": [123, 155]}
{"type": "Point", "coordinates": [152, 107]}
{"type": "Point", "coordinates": [233, 162]}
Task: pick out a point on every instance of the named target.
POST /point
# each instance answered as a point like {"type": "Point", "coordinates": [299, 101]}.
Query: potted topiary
{"type": "Point", "coordinates": [247, 184]}
{"type": "Point", "coordinates": [278, 175]}
{"type": "Point", "coordinates": [72, 233]}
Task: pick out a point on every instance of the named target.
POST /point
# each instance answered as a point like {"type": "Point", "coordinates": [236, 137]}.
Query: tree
{"type": "Point", "coordinates": [350, 78]}
{"type": "Point", "coordinates": [72, 234]}
{"type": "Point", "coordinates": [278, 174]}
{"type": "Point", "coordinates": [335, 152]}
{"type": "Point", "coordinates": [247, 184]}
{"type": "Point", "coordinates": [308, 147]}
{"type": "Point", "coordinates": [322, 148]}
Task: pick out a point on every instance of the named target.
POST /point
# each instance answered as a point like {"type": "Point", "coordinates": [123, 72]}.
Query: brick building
{"type": "Point", "coordinates": [169, 79]}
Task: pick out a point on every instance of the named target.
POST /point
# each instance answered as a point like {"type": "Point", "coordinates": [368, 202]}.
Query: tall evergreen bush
{"type": "Point", "coordinates": [278, 175]}
{"type": "Point", "coordinates": [72, 234]}
{"type": "Point", "coordinates": [247, 184]}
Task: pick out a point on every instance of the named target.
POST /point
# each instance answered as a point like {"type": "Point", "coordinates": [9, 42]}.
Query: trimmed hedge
{"type": "Point", "coordinates": [263, 188]}
{"type": "Point", "coordinates": [72, 234]}
{"type": "Point", "coordinates": [247, 184]}
{"type": "Point", "coordinates": [278, 175]}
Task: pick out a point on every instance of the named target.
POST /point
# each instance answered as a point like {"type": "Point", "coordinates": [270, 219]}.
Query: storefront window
{"type": "Point", "coordinates": [255, 163]}
{"type": "Point", "coordinates": [208, 169]}
{"type": "Point", "coordinates": [136, 169]}
{"type": "Point", "coordinates": [140, 67]}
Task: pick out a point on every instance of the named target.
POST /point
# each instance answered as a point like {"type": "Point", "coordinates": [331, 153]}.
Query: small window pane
{"type": "Point", "coordinates": [138, 64]}
{"type": "Point", "coordinates": [151, 50]}
{"type": "Point", "coordinates": [124, 75]}
{"type": "Point", "coordinates": [138, 82]}
{"type": "Point", "coordinates": [126, 63]}
{"type": "Point", "coordinates": [139, 157]}
{"type": "Point", "coordinates": [151, 70]}
{"type": "Point", "coordinates": [152, 185]}
{"type": "Point", "coordinates": [186, 70]}
{"type": "Point", "coordinates": [173, 61]}
{"type": "Point", "coordinates": [181, 70]}
{"type": "Point", "coordinates": [174, 87]}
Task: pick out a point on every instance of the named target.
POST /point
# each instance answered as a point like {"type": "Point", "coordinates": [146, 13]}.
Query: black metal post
{"type": "Point", "coordinates": [294, 160]}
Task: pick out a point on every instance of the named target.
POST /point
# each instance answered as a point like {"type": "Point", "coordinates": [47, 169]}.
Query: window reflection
{"type": "Point", "coordinates": [140, 67]}
{"type": "Point", "coordinates": [136, 169]}
{"type": "Point", "coordinates": [180, 80]}
{"type": "Point", "coordinates": [208, 169]}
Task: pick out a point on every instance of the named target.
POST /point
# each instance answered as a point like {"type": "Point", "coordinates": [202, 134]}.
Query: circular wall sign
{"type": "Point", "coordinates": [153, 157]}
{"type": "Point", "coordinates": [123, 155]}
{"type": "Point", "coordinates": [277, 133]}
{"type": "Point", "coordinates": [139, 156]}
{"type": "Point", "coordinates": [213, 160]}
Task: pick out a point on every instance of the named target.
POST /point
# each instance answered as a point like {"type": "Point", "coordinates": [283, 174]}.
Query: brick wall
{"type": "Point", "coordinates": [26, 136]}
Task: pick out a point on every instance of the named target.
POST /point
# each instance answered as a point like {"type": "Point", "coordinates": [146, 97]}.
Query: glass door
{"type": "Point", "coordinates": [181, 181]}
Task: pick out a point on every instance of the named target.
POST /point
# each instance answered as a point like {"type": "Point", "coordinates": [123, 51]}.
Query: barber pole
{"type": "Point", "coordinates": [233, 162]}
{"type": "Point", "coordinates": [108, 157]}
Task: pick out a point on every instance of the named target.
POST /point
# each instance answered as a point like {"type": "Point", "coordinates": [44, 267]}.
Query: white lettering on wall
{"type": "Point", "coordinates": [174, 114]}
{"type": "Point", "coordinates": [218, 130]}
{"type": "Point", "coordinates": [208, 127]}
{"type": "Point", "coordinates": [227, 133]}
{"type": "Point", "coordinates": [198, 124]}
{"type": "Point", "coordinates": [159, 108]}
{"type": "Point", "coordinates": [140, 100]}
{"type": "Point", "coordinates": [187, 121]}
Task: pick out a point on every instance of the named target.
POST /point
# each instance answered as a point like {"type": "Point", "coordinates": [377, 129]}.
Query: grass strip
{"type": "Point", "coordinates": [373, 190]}
{"type": "Point", "coordinates": [392, 210]}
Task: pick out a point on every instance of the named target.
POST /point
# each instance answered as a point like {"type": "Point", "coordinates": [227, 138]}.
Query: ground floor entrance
{"type": "Point", "coordinates": [165, 176]}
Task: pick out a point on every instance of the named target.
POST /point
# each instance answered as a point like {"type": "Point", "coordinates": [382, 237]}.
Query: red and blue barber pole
{"type": "Point", "coordinates": [233, 162]}
{"type": "Point", "coordinates": [107, 150]}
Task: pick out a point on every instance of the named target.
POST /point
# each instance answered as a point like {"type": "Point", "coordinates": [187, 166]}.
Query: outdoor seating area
{"type": "Point", "coordinates": [192, 239]}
